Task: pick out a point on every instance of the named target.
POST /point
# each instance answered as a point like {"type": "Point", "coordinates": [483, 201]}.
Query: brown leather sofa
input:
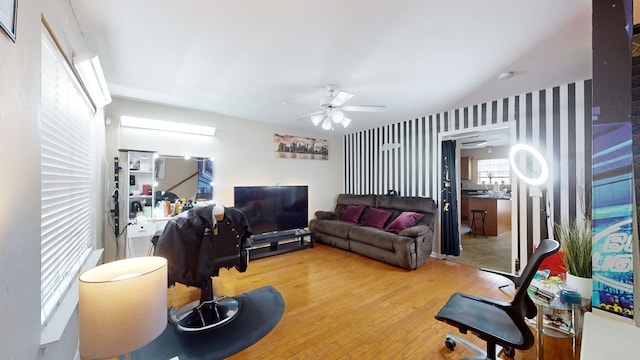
{"type": "Point", "coordinates": [407, 246]}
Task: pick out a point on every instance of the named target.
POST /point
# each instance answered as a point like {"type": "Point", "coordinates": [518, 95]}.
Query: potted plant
{"type": "Point", "coordinates": [575, 241]}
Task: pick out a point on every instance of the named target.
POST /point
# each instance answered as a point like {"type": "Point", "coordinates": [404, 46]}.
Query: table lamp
{"type": "Point", "coordinates": [122, 306]}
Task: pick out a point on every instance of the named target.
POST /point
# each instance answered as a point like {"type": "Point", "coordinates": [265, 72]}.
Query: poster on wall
{"type": "Point", "coordinates": [297, 147]}
{"type": "Point", "coordinates": [205, 176]}
{"type": "Point", "coordinates": [612, 218]}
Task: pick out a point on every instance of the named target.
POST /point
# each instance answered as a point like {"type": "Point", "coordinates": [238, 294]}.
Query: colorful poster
{"type": "Point", "coordinates": [612, 218]}
{"type": "Point", "coordinates": [205, 176]}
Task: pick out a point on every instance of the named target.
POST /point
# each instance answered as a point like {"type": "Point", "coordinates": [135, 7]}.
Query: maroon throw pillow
{"type": "Point", "coordinates": [405, 220]}
{"type": "Point", "coordinates": [352, 213]}
{"type": "Point", "coordinates": [377, 217]}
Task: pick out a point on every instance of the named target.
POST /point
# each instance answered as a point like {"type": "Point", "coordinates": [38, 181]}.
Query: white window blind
{"type": "Point", "coordinates": [67, 173]}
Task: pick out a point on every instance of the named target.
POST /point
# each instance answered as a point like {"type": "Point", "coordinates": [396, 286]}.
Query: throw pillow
{"type": "Point", "coordinates": [405, 220]}
{"type": "Point", "coordinates": [352, 213]}
{"type": "Point", "coordinates": [376, 217]}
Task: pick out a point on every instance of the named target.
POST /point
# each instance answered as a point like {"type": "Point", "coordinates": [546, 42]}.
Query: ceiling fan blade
{"type": "Point", "coordinates": [368, 108]}
{"type": "Point", "coordinates": [304, 105]}
{"type": "Point", "coordinates": [309, 115]}
{"type": "Point", "coordinates": [340, 98]}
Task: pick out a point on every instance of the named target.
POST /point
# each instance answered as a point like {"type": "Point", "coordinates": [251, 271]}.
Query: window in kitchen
{"type": "Point", "coordinates": [492, 171]}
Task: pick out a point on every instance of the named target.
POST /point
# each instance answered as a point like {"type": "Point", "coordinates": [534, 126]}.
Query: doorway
{"type": "Point", "coordinates": [484, 184]}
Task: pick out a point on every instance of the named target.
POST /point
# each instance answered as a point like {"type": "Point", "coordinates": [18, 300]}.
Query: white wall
{"type": "Point", "coordinates": [20, 179]}
{"type": "Point", "coordinates": [243, 151]}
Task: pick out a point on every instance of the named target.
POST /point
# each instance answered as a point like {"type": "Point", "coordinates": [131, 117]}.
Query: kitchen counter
{"type": "Point", "coordinates": [498, 218]}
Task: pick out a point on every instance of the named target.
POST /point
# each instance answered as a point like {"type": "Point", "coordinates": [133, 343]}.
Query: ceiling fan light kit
{"type": "Point", "coordinates": [333, 109]}
{"type": "Point", "coordinates": [316, 119]}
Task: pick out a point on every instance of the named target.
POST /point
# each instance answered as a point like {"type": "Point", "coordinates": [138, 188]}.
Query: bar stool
{"type": "Point", "coordinates": [483, 214]}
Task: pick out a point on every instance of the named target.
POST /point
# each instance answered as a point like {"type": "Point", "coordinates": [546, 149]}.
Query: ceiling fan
{"type": "Point", "coordinates": [332, 109]}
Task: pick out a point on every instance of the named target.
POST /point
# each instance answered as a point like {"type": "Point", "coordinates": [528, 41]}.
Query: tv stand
{"type": "Point", "coordinates": [279, 242]}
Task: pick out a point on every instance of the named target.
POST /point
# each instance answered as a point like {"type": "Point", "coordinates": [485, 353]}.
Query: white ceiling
{"type": "Point", "coordinates": [244, 58]}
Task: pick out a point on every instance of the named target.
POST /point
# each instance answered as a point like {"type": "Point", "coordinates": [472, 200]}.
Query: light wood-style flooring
{"type": "Point", "coordinates": [340, 305]}
{"type": "Point", "coordinates": [492, 252]}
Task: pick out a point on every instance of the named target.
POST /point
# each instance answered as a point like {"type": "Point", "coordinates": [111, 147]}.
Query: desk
{"type": "Point", "coordinates": [139, 235]}
{"type": "Point", "coordinates": [543, 329]}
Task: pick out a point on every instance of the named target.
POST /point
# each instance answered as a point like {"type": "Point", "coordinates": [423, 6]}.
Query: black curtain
{"type": "Point", "coordinates": [450, 235]}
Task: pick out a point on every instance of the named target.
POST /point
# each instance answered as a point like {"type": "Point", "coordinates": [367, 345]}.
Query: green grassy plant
{"type": "Point", "coordinates": [575, 240]}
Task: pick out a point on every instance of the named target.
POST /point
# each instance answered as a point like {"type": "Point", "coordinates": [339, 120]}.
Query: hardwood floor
{"type": "Point", "coordinates": [340, 305]}
{"type": "Point", "coordinates": [493, 252]}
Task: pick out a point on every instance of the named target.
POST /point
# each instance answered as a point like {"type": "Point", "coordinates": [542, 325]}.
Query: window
{"type": "Point", "coordinates": [67, 175]}
{"type": "Point", "coordinates": [492, 171]}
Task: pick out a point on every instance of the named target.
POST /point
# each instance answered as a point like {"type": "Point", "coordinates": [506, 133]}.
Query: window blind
{"type": "Point", "coordinates": [67, 173]}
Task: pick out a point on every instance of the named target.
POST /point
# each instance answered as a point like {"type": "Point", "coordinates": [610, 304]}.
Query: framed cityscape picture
{"type": "Point", "coordinates": [297, 147]}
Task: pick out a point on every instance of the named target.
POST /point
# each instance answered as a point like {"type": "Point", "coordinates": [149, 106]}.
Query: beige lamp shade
{"type": "Point", "coordinates": [123, 306]}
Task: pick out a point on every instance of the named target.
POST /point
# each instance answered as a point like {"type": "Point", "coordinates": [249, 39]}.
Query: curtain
{"type": "Point", "coordinates": [450, 235]}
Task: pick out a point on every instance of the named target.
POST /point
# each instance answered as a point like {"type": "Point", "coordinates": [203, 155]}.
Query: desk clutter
{"type": "Point", "coordinates": [549, 288]}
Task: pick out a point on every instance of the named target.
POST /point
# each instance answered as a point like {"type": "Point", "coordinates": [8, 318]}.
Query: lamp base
{"type": "Point", "coordinates": [205, 315]}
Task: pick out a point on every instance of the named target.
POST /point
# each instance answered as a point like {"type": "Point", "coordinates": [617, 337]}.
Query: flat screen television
{"type": "Point", "coordinates": [273, 208]}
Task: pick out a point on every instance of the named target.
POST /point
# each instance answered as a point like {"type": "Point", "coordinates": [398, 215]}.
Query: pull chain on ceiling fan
{"type": "Point", "coordinates": [333, 109]}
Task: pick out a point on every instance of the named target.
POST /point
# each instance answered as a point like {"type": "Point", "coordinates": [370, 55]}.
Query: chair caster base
{"type": "Point", "coordinates": [200, 316]}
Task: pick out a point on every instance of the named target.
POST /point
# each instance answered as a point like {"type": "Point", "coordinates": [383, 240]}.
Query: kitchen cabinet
{"type": "Point", "coordinates": [464, 207]}
{"type": "Point", "coordinates": [498, 218]}
{"type": "Point", "coordinates": [465, 168]}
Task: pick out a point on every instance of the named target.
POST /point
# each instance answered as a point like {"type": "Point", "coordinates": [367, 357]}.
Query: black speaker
{"type": "Point", "coordinates": [132, 180]}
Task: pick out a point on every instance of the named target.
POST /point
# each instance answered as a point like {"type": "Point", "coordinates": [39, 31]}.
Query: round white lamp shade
{"type": "Point", "coordinates": [536, 176]}
{"type": "Point", "coordinates": [122, 306]}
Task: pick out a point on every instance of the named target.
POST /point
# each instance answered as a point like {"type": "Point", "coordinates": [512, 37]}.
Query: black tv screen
{"type": "Point", "coordinates": [273, 208]}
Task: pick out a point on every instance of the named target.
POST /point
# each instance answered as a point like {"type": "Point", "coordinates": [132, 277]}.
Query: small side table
{"type": "Point", "coordinates": [541, 330]}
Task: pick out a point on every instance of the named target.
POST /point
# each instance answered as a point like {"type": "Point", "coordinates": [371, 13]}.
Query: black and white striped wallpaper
{"type": "Point", "coordinates": [556, 120]}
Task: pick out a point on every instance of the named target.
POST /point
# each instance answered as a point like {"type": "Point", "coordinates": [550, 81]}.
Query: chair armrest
{"type": "Point", "coordinates": [514, 278]}
{"type": "Point", "coordinates": [487, 300]}
{"type": "Point", "coordinates": [326, 215]}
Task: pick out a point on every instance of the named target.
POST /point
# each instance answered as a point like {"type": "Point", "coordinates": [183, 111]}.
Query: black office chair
{"type": "Point", "coordinates": [196, 247]}
{"type": "Point", "coordinates": [494, 321]}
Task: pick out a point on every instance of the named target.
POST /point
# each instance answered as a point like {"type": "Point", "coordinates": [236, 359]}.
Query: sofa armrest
{"type": "Point", "coordinates": [414, 231]}
{"type": "Point", "coordinates": [326, 215]}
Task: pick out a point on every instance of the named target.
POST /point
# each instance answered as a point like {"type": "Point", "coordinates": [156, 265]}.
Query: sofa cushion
{"type": "Point", "coordinates": [348, 199]}
{"type": "Point", "coordinates": [376, 217]}
{"type": "Point", "coordinates": [352, 213]}
{"type": "Point", "coordinates": [373, 236]}
{"type": "Point", "coordinates": [405, 220]}
{"type": "Point", "coordinates": [332, 227]}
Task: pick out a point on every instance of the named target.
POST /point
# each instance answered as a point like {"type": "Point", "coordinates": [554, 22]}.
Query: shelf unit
{"type": "Point", "coordinates": [139, 184]}
{"type": "Point", "coordinates": [280, 242]}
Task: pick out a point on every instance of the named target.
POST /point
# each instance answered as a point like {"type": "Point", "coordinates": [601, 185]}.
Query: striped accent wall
{"type": "Point", "coordinates": [556, 120]}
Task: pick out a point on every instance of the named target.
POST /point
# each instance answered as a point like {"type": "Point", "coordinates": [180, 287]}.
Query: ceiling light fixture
{"type": "Point", "coordinates": [151, 124]}
{"type": "Point", "coordinates": [90, 71]}
{"type": "Point", "coordinates": [329, 117]}
{"type": "Point", "coordinates": [316, 119]}
{"type": "Point", "coordinates": [326, 124]}
{"type": "Point", "coordinates": [506, 75]}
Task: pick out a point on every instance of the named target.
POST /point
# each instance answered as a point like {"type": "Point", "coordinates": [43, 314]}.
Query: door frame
{"type": "Point", "coordinates": [516, 249]}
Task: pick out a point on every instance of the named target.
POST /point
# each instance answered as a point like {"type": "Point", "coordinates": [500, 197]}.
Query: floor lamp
{"type": "Point", "coordinates": [523, 158]}
{"type": "Point", "coordinates": [122, 306]}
